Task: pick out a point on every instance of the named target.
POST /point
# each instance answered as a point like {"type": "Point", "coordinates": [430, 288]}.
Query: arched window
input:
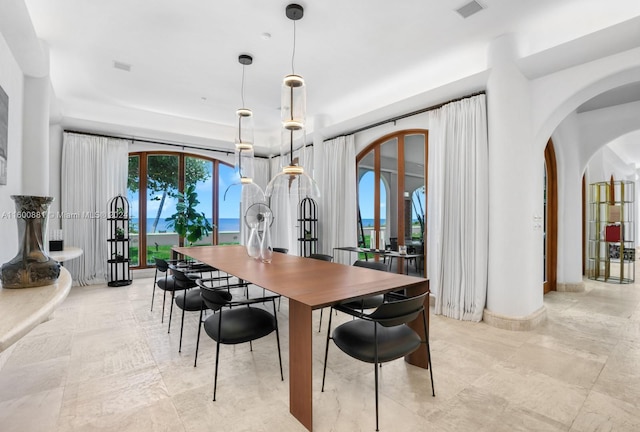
{"type": "Point", "coordinates": [392, 190]}
{"type": "Point", "coordinates": [155, 180]}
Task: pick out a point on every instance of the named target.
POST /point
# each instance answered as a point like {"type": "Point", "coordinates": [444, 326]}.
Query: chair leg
{"type": "Point", "coordinates": [326, 351]}
{"type": "Point", "coordinates": [215, 378]}
{"type": "Point", "coordinates": [153, 292]}
{"type": "Point", "coordinates": [173, 296]}
{"type": "Point", "coordinates": [429, 364]}
{"type": "Point", "coordinates": [320, 325]}
{"type": "Point", "coordinates": [375, 367]}
{"type": "Point", "coordinates": [278, 340]}
{"type": "Point", "coordinates": [182, 322]}
{"type": "Point", "coordinates": [195, 360]}
{"type": "Point", "coordinates": [164, 298]}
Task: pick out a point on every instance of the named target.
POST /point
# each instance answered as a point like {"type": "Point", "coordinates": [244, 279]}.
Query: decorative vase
{"type": "Point", "coordinates": [266, 249]}
{"type": "Point", "coordinates": [253, 243]}
{"type": "Point", "coordinates": [32, 266]}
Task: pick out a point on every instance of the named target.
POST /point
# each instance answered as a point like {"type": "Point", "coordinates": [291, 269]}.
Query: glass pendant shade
{"type": "Point", "coordinates": [244, 136]}
{"type": "Point", "coordinates": [251, 194]}
{"type": "Point", "coordinates": [293, 102]}
{"type": "Point", "coordinates": [292, 179]}
{"type": "Point", "coordinates": [293, 185]}
{"type": "Point", "coordinates": [293, 150]}
{"type": "Point", "coordinates": [245, 164]}
{"type": "Point", "coordinates": [244, 156]}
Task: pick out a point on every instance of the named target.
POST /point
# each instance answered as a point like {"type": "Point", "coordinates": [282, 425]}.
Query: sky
{"type": "Point", "coordinates": [229, 206]}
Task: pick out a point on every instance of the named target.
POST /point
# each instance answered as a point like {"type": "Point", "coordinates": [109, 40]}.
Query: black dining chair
{"type": "Point", "coordinates": [369, 302]}
{"type": "Point", "coordinates": [190, 300]}
{"type": "Point", "coordinates": [170, 284]}
{"type": "Point", "coordinates": [281, 250]}
{"type": "Point", "coordinates": [237, 321]}
{"type": "Point", "coordinates": [162, 268]}
{"type": "Point", "coordinates": [182, 282]}
{"type": "Point", "coordinates": [382, 335]}
{"type": "Point", "coordinates": [321, 257]}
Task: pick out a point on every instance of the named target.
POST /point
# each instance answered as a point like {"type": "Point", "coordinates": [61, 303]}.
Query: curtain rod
{"type": "Point", "coordinates": [183, 146]}
{"type": "Point", "coordinates": [403, 116]}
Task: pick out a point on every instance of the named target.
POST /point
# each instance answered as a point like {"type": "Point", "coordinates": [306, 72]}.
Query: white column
{"type": "Point", "coordinates": [516, 172]}
{"type": "Point", "coordinates": [566, 140]}
{"type": "Point", "coordinates": [35, 137]}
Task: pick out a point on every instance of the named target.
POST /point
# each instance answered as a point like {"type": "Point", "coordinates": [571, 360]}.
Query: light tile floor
{"type": "Point", "coordinates": [106, 363]}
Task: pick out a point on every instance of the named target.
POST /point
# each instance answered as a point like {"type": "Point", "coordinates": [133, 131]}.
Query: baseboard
{"type": "Point", "coordinates": [570, 287]}
{"type": "Point", "coordinates": [524, 323]}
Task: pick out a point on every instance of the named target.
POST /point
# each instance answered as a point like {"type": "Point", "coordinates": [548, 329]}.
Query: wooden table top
{"type": "Point", "coordinates": [312, 282]}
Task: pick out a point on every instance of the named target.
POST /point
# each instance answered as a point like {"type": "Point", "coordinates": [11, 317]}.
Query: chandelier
{"type": "Point", "coordinates": [292, 179]}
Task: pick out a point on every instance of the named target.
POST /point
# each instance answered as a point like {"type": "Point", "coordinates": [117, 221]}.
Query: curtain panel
{"type": "Point", "coordinates": [250, 196]}
{"type": "Point", "coordinates": [284, 209]}
{"type": "Point", "coordinates": [94, 170]}
{"type": "Point", "coordinates": [338, 207]}
{"type": "Point", "coordinates": [458, 203]}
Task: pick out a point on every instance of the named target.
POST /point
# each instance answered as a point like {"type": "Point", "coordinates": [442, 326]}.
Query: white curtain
{"type": "Point", "coordinates": [336, 176]}
{"type": "Point", "coordinates": [260, 180]}
{"type": "Point", "coordinates": [458, 208]}
{"type": "Point", "coordinates": [94, 170]}
{"type": "Point", "coordinates": [284, 208]}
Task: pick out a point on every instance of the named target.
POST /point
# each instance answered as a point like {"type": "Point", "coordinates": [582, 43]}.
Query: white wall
{"type": "Point", "coordinates": [12, 81]}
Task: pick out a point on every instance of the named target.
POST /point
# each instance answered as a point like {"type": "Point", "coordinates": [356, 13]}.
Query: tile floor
{"type": "Point", "coordinates": [106, 363]}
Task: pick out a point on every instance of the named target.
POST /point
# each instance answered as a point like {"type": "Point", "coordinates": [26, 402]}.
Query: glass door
{"type": "Point", "coordinates": [392, 195]}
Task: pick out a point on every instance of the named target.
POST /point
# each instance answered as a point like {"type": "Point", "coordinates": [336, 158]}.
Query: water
{"type": "Point", "coordinates": [224, 224]}
{"type": "Point", "coordinates": [228, 224]}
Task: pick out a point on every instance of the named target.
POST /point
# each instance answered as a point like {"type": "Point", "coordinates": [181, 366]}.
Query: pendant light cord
{"type": "Point", "coordinates": [242, 87]}
{"type": "Point", "coordinates": [293, 54]}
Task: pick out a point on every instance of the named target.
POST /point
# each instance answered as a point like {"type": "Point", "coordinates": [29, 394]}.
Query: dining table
{"type": "Point", "coordinates": [310, 284]}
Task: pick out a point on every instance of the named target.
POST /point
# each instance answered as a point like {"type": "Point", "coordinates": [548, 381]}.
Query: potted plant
{"type": "Point", "coordinates": [187, 222]}
{"type": "Point", "coordinates": [118, 257]}
{"type": "Point", "coordinates": [119, 233]}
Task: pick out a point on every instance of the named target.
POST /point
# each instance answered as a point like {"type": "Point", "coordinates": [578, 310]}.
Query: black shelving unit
{"type": "Point", "coordinates": [307, 227]}
{"type": "Point", "coordinates": [118, 261]}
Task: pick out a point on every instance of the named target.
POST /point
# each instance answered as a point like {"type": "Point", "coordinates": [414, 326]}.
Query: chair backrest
{"type": "Point", "coordinates": [375, 265]}
{"type": "Point", "coordinates": [182, 280]}
{"type": "Point", "coordinates": [214, 298]}
{"type": "Point", "coordinates": [321, 257]}
{"type": "Point", "coordinates": [281, 250]}
{"type": "Point", "coordinates": [398, 312]}
{"type": "Point", "coordinates": [162, 265]}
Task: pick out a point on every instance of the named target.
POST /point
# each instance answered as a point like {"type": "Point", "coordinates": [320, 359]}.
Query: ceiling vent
{"type": "Point", "coordinates": [122, 66]}
{"type": "Point", "coordinates": [469, 9]}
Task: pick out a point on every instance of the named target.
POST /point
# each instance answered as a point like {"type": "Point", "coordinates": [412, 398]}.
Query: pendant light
{"type": "Point", "coordinates": [293, 180]}
{"type": "Point", "coordinates": [244, 156]}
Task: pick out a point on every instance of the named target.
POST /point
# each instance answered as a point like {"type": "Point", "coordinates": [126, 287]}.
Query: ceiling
{"type": "Point", "coordinates": [357, 56]}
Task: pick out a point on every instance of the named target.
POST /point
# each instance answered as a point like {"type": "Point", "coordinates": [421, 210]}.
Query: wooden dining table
{"type": "Point", "coordinates": [309, 284]}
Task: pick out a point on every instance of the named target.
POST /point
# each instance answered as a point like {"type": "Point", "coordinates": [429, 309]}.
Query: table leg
{"type": "Point", "coordinates": [300, 363]}
{"type": "Point", "coordinates": [419, 356]}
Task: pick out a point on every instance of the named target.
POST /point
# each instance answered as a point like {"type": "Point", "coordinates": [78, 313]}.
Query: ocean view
{"type": "Point", "coordinates": [225, 224]}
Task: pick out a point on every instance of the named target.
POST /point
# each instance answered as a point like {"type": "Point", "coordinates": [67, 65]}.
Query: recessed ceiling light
{"type": "Point", "coordinates": [122, 66]}
{"type": "Point", "coordinates": [203, 98]}
{"type": "Point", "coordinates": [266, 36]}
{"type": "Point", "coordinates": [469, 9]}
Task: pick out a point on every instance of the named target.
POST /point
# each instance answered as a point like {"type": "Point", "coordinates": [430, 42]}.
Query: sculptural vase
{"type": "Point", "coordinates": [31, 267]}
